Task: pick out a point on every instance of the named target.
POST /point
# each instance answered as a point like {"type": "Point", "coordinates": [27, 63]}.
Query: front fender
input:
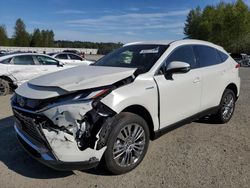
{"type": "Point", "coordinates": [142, 92]}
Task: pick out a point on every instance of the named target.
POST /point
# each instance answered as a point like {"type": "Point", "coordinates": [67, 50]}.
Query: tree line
{"type": "Point", "coordinates": [226, 24]}
{"type": "Point", "coordinates": [21, 38]}
{"type": "Point", "coordinates": [45, 38]}
{"type": "Point", "coordinates": [103, 48]}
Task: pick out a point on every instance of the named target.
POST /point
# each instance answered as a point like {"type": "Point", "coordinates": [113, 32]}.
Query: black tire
{"type": "Point", "coordinates": [4, 87]}
{"type": "Point", "coordinates": [120, 123]}
{"type": "Point", "coordinates": [220, 116]}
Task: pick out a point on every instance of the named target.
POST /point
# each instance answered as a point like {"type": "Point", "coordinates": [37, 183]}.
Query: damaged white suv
{"type": "Point", "coordinates": [109, 111]}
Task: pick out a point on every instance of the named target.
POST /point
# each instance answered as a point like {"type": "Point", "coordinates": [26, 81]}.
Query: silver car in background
{"type": "Point", "coordinates": [70, 58]}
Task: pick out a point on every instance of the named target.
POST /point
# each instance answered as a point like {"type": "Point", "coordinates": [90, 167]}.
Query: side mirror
{"type": "Point", "coordinates": [176, 67]}
{"type": "Point", "coordinates": [60, 64]}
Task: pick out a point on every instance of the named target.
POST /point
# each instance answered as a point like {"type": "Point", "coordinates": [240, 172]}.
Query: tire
{"type": "Point", "coordinates": [4, 87]}
{"type": "Point", "coordinates": [123, 153]}
{"type": "Point", "coordinates": [227, 106]}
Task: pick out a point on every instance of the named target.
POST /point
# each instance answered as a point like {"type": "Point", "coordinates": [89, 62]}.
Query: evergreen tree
{"type": "Point", "coordinates": [226, 24]}
{"type": "Point", "coordinates": [3, 36]}
{"type": "Point", "coordinates": [21, 36]}
{"type": "Point", "coordinates": [36, 40]}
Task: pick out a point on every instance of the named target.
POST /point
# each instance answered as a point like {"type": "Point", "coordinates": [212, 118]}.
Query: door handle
{"type": "Point", "coordinates": [196, 80]}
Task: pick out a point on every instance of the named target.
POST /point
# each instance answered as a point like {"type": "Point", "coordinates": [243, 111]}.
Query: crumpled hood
{"type": "Point", "coordinates": [73, 79]}
{"type": "Point", "coordinates": [83, 77]}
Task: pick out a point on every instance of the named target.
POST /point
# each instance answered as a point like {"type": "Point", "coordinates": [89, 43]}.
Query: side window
{"type": "Point", "coordinates": [24, 60]}
{"type": "Point", "coordinates": [6, 61]}
{"type": "Point", "coordinates": [43, 60]}
{"type": "Point", "coordinates": [206, 56]}
{"type": "Point", "coordinates": [184, 54]}
{"type": "Point", "coordinates": [222, 55]}
{"type": "Point", "coordinates": [74, 57]}
{"type": "Point", "coordinates": [62, 56]}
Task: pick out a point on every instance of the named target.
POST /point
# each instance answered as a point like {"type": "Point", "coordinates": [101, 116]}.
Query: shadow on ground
{"type": "Point", "coordinates": [208, 120]}
{"type": "Point", "coordinates": [16, 159]}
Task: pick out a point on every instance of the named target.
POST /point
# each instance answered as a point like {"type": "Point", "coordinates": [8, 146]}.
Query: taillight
{"type": "Point", "coordinates": [237, 66]}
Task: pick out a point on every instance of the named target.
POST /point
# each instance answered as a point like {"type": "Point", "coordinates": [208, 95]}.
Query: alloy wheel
{"type": "Point", "coordinates": [129, 145]}
{"type": "Point", "coordinates": [228, 106]}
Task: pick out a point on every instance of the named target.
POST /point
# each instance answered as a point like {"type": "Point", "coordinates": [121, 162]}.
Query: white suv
{"type": "Point", "coordinates": [110, 110]}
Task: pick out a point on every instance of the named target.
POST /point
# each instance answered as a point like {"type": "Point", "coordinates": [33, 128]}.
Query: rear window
{"type": "Point", "coordinates": [223, 56]}
{"type": "Point", "coordinates": [206, 56]}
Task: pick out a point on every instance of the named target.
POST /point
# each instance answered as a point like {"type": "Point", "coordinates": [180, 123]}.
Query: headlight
{"type": "Point", "coordinates": [99, 94]}
{"type": "Point", "coordinates": [83, 95]}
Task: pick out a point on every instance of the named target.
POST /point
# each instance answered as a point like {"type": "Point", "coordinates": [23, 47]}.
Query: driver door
{"type": "Point", "coordinates": [180, 96]}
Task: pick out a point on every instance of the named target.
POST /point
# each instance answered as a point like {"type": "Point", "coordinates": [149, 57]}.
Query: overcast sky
{"type": "Point", "coordinates": [99, 20]}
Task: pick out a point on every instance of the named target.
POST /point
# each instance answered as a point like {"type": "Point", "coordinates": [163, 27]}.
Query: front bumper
{"type": "Point", "coordinates": [64, 136]}
{"type": "Point", "coordinates": [45, 156]}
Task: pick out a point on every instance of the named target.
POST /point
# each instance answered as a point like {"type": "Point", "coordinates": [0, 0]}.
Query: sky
{"type": "Point", "coordinates": [103, 21]}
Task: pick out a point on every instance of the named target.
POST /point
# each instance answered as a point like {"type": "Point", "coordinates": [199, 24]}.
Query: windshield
{"type": "Point", "coordinates": [142, 57]}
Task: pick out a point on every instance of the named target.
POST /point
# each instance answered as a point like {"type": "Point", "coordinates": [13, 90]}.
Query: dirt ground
{"type": "Point", "coordinates": [195, 155]}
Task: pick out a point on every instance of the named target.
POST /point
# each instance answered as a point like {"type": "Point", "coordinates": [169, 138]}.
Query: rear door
{"type": "Point", "coordinates": [214, 75]}
{"type": "Point", "coordinates": [179, 97]}
{"type": "Point", "coordinates": [23, 68]}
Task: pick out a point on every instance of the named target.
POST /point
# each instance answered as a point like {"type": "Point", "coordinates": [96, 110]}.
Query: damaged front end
{"type": "Point", "coordinates": [71, 129]}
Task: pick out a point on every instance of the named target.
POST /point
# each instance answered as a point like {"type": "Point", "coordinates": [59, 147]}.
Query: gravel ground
{"type": "Point", "coordinates": [195, 155]}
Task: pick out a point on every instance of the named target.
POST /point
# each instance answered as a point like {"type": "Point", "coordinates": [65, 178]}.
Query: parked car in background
{"type": "Point", "coordinates": [242, 59]}
{"type": "Point", "coordinates": [75, 118]}
{"type": "Point", "coordinates": [70, 58]}
{"type": "Point", "coordinates": [82, 54]}
{"type": "Point", "coordinates": [3, 52]}
{"type": "Point", "coordinates": [18, 68]}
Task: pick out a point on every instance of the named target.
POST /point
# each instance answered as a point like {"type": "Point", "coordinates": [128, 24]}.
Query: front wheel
{"type": "Point", "coordinates": [227, 106]}
{"type": "Point", "coordinates": [127, 143]}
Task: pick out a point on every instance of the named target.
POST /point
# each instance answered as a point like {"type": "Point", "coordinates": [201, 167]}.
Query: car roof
{"type": "Point", "coordinates": [20, 54]}
{"type": "Point", "coordinates": [178, 42]}
{"type": "Point", "coordinates": [159, 42]}
{"type": "Point", "coordinates": [56, 53]}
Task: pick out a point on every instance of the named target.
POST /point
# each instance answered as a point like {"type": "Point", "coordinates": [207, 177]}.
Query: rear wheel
{"type": "Point", "coordinates": [227, 106]}
{"type": "Point", "coordinates": [4, 87]}
{"type": "Point", "coordinates": [127, 144]}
